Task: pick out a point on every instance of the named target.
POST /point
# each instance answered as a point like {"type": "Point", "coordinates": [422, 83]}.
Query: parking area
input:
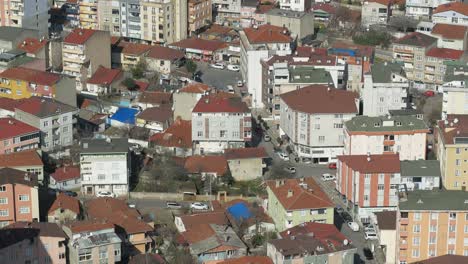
{"type": "Point", "coordinates": [216, 77]}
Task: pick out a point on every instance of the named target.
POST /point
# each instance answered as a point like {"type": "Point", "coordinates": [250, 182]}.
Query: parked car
{"type": "Point", "coordinates": [105, 194]}
{"type": "Point", "coordinates": [370, 228]}
{"type": "Point", "coordinates": [283, 156]}
{"type": "Point", "coordinates": [233, 67]}
{"type": "Point", "coordinates": [240, 83]}
{"type": "Point", "coordinates": [266, 138]}
{"type": "Point", "coordinates": [429, 93]}
{"type": "Point", "coordinates": [354, 226]}
{"type": "Point", "coordinates": [217, 65]}
{"type": "Point", "coordinates": [370, 235]}
{"type": "Point", "coordinates": [339, 210]}
{"type": "Point", "coordinates": [230, 89]}
{"type": "Point", "coordinates": [328, 177]}
{"type": "Point", "coordinates": [291, 170]}
{"type": "Point", "coordinates": [332, 165]}
{"type": "Point", "coordinates": [346, 217]}
{"type": "Point", "coordinates": [173, 205]}
{"type": "Point", "coordinates": [70, 193]}
{"type": "Point", "coordinates": [199, 206]}
{"type": "Point", "coordinates": [368, 253]}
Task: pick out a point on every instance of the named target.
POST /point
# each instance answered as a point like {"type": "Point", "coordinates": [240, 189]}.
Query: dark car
{"type": "Point", "coordinates": [368, 254]}
{"type": "Point", "coordinates": [339, 209]}
{"type": "Point", "coordinates": [70, 193]}
{"type": "Point", "coordinates": [346, 217]}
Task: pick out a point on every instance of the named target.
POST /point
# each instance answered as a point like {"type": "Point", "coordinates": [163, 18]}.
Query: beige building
{"type": "Point", "coordinates": [199, 14]}
{"type": "Point", "coordinates": [163, 21]}
{"type": "Point", "coordinates": [80, 56]}
{"type": "Point", "coordinates": [89, 14]}
{"type": "Point", "coordinates": [163, 59]}
{"type": "Point", "coordinates": [387, 233]}
{"type": "Point", "coordinates": [300, 24]}
{"type": "Point", "coordinates": [185, 99]}
{"type": "Point", "coordinates": [246, 163]}
{"type": "Point", "coordinates": [375, 12]}
{"type": "Point", "coordinates": [64, 209]}
{"type": "Point", "coordinates": [455, 89]}
{"type": "Point", "coordinates": [452, 151]}
{"type": "Point", "coordinates": [109, 16]}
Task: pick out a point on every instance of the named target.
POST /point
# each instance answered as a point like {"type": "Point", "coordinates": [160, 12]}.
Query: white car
{"type": "Point", "coordinates": [233, 67]}
{"type": "Point", "coordinates": [105, 194]}
{"type": "Point", "coordinates": [354, 226]}
{"type": "Point", "coordinates": [370, 228]}
{"type": "Point", "coordinates": [291, 170]}
{"type": "Point", "coordinates": [240, 83]}
{"type": "Point", "coordinates": [199, 206]}
{"type": "Point", "coordinates": [217, 66]}
{"type": "Point", "coordinates": [230, 89]}
{"type": "Point", "coordinates": [328, 177]}
{"type": "Point", "coordinates": [283, 156]}
{"type": "Point", "coordinates": [369, 235]}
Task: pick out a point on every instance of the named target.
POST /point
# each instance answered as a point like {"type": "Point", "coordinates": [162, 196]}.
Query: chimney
{"type": "Point", "coordinates": [290, 193]}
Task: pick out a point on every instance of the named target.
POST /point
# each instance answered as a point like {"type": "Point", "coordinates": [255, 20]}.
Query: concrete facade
{"type": "Point", "coordinates": [375, 13]}
{"type": "Point", "coordinates": [300, 24]}
{"type": "Point", "coordinates": [25, 14]}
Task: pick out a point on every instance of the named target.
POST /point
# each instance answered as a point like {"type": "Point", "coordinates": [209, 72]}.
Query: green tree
{"type": "Point", "coordinates": [130, 84]}
{"type": "Point", "coordinates": [191, 66]}
{"type": "Point", "coordinates": [138, 71]}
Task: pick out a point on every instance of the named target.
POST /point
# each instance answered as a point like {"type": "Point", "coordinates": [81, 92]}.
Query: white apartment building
{"type": "Point", "coordinates": [455, 91]}
{"type": "Point", "coordinates": [312, 120]}
{"type": "Point", "coordinates": [227, 12]}
{"type": "Point", "coordinates": [25, 14]}
{"type": "Point", "coordinates": [423, 8]}
{"type": "Point", "coordinates": [385, 88]}
{"type": "Point", "coordinates": [260, 43]}
{"type": "Point", "coordinates": [104, 166]}
{"type": "Point", "coordinates": [375, 12]}
{"type": "Point", "coordinates": [220, 121]}
{"type": "Point", "coordinates": [451, 13]}
{"type": "Point", "coordinates": [295, 5]}
{"type": "Point", "coordinates": [405, 135]}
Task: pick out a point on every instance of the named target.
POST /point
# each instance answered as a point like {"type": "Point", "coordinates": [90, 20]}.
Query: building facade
{"type": "Point", "coordinates": [25, 14]}
{"type": "Point", "coordinates": [423, 9]}
{"type": "Point", "coordinates": [451, 13]}
{"type": "Point", "coordinates": [300, 24]}
{"type": "Point", "coordinates": [454, 90]}
{"type": "Point", "coordinates": [199, 15]}
{"type": "Point", "coordinates": [375, 12]}
{"type": "Point", "coordinates": [299, 6]}
{"type": "Point", "coordinates": [17, 136]}
{"type": "Point", "coordinates": [88, 14]}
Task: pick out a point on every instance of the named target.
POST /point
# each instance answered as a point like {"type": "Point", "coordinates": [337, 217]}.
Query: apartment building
{"type": "Point", "coordinates": [185, 99]}
{"type": "Point", "coordinates": [49, 246]}
{"type": "Point", "coordinates": [451, 36]}
{"type": "Point", "coordinates": [432, 224]}
{"type": "Point", "coordinates": [199, 15]}
{"type": "Point", "coordinates": [20, 83]}
{"type": "Point", "coordinates": [104, 166]}
{"type": "Point", "coordinates": [132, 54]}
{"type": "Point", "coordinates": [455, 13]}
{"type": "Point", "coordinates": [163, 21]}
{"type": "Point", "coordinates": [423, 9]}
{"type": "Point", "coordinates": [27, 161]}
{"type": "Point", "coordinates": [312, 120]}
{"type": "Point", "coordinates": [221, 121]}
{"type": "Point", "coordinates": [369, 183]}
{"type": "Point", "coordinates": [25, 14]}
{"type": "Point", "coordinates": [109, 16]}
{"type": "Point", "coordinates": [80, 56]}
{"type": "Point", "coordinates": [16, 136]}
{"type": "Point", "coordinates": [88, 14]}
{"type": "Point", "coordinates": [420, 174]}
{"type": "Point", "coordinates": [54, 119]}
{"type": "Point", "coordinates": [19, 200]}
{"type": "Point", "coordinates": [259, 43]}
{"type": "Point", "coordinates": [385, 88]}
{"type": "Point", "coordinates": [163, 59]}
{"type": "Point", "coordinates": [405, 135]}
{"type": "Point", "coordinates": [300, 5]}
{"type": "Point", "coordinates": [375, 12]}
{"type": "Point", "coordinates": [292, 202]}
{"type": "Point", "coordinates": [454, 89]}
{"type": "Point", "coordinates": [103, 81]}
{"type": "Point", "coordinates": [131, 19]}
{"type": "Point", "coordinates": [452, 151]}
{"type": "Point", "coordinates": [93, 241]}
{"type": "Point", "coordinates": [226, 12]}
{"type": "Point", "coordinates": [300, 24]}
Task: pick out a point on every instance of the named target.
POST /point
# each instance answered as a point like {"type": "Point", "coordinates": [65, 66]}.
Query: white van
{"type": "Point", "coordinates": [328, 177]}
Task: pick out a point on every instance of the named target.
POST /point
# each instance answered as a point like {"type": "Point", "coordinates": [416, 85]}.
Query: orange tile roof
{"type": "Point", "coordinates": [382, 2]}
{"type": "Point", "coordinates": [63, 201]}
{"type": "Point", "coordinates": [267, 34]}
{"type": "Point", "coordinates": [450, 31]}
{"type": "Point", "coordinates": [209, 164]}
{"type": "Point", "coordinates": [221, 102]}
{"type": "Point", "coordinates": [165, 53]}
{"type": "Point", "coordinates": [32, 45]}
{"type": "Point", "coordinates": [458, 7]}
{"type": "Point", "coordinates": [444, 53]}
{"type": "Point", "coordinates": [66, 173]}
{"type": "Point", "coordinates": [21, 159]}
{"type": "Point", "coordinates": [179, 134]}
{"type": "Point", "coordinates": [385, 163]}
{"type": "Point", "coordinates": [245, 153]}
{"type": "Point", "coordinates": [10, 127]}
{"type": "Point", "coordinates": [9, 104]}
{"type": "Point", "coordinates": [134, 48]}
{"type": "Point", "coordinates": [79, 36]}
{"type": "Point", "coordinates": [248, 260]}
{"type": "Point", "coordinates": [104, 76]}
{"type": "Point", "coordinates": [457, 126]}
{"type": "Point", "coordinates": [89, 226]}
{"type": "Point", "coordinates": [310, 196]}
{"type": "Point", "coordinates": [195, 87]}
{"type": "Point", "coordinates": [200, 44]}
{"type": "Point", "coordinates": [31, 75]}
{"type": "Point", "coordinates": [200, 232]}
{"type": "Point", "coordinates": [155, 98]}
{"type": "Point", "coordinates": [195, 220]}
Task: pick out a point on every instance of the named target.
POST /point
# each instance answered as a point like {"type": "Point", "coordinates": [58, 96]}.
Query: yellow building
{"type": "Point", "coordinates": [452, 151]}
{"type": "Point", "coordinates": [432, 223]}
{"type": "Point", "coordinates": [89, 14]}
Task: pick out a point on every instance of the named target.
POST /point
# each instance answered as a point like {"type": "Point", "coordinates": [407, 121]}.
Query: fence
{"type": "Point", "coordinates": [180, 197]}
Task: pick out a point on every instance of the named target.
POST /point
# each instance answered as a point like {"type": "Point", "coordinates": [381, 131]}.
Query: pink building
{"type": "Point", "coordinates": [18, 197]}
{"type": "Point", "coordinates": [49, 244]}
{"type": "Point", "coordinates": [16, 136]}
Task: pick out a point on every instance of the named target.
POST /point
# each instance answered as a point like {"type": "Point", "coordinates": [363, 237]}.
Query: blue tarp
{"type": "Point", "coordinates": [239, 211]}
{"type": "Point", "coordinates": [125, 115]}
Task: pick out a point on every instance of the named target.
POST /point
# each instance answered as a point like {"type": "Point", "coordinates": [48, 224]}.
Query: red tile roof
{"type": "Point", "coordinates": [386, 163]}
{"type": "Point", "coordinates": [156, 114]}
{"type": "Point", "coordinates": [382, 2]}
{"type": "Point", "coordinates": [445, 259]}
{"type": "Point", "coordinates": [457, 126]}
{"type": "Point", "coordinates": [178, 135]}
{"type": "Point", "coordinates": [165, 53]}
{"type": "Point", "coordinates": [141, 85]}
{"type": "Point", "coordinates": [195, 220]}
{"type": "Point", "coordinates": [134, 48]}
{"type": "Point", "coordinates": [31, 75]}
{"type": "Point", "coordinates": [10, 127]}
{"type": "Point", "coordinates": [195, 87]}
{"type": "Point", "coordinates": [105, 76]}
{"type": "Point", "coordinates": [296, 195]}
{"type": "Point", "coordinates": [268, 34]}
{"type": "Point", "coordinates": [115, 40]}
{"type": "Point", "coordinates": [321, 99]}
{"type": "Point", "coordinates": [199, 233]}
{"type": "Point", "coordinates": [155, 98]}
{"type": "Point", "coordinates": [32, 45]}
{"type": "Point", "coordinates": [200, 44]}
{"type": "Point", "coordinates": [63, 201]}
{"type": "Point", "coordinates": [443, 53]}
{"type": "Point", "coordinates": [66, 173]}
{"type": "Point", "coordinates": [89, 226]}
{"type": "Point", "coordinates": [220, 103]}
{"type": "Point", "coordinates": [9, 104]}
{"type": "Point", "coordinates": [248, 260]}
{"type": "Point", "coordinates": [416, 39]}
{"type": "Point", "coordinates": [450, 31]}
{"type": "Point", "coordinates": [326, 233]}
{"type": "Point", "coordinates": [459, 7]}
{"type": "Point", "coordinates": [21, 159]}
{"type": "Point", "coordinates": [245, 153]}
{"type": "Point", "coordinates": [330, 9]}
{"type": "Point", "coordinates": [44, 107]}
{"type": "Point", "coordinates": [209, 164]}
{"type": "Point", "coordinates": [79, 36]}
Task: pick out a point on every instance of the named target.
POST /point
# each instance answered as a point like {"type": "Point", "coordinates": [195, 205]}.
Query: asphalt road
{"type": "Point", "coordinates": [218, 78]}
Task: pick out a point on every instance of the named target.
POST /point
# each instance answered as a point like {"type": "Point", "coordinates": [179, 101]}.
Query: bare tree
{"type": "Point", "coordinates": [403, 23]}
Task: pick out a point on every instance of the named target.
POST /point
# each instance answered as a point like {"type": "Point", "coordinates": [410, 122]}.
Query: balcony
{"type": "Point", "coordinates": [404, 221]}
{"type": "Point", "coordinates": [74, 58]}
{"type": "Point", "coordinates": [403, 244]}
{"type": "Point", "coordinates": [403, 233]}
{"type": "Point", "coordinates": [72, 49]}
{"type": "Point", "coordinates": [72, 70]}
{"type": "Point", "coordinates": [388, 142]}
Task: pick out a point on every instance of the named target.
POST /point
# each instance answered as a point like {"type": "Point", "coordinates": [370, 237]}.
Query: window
{"type": "Point", "coordinates": [65, 129]}
{"type": "Point", "coordinates": [3, 200]}
{"type": "Point", "coordinates": [321, 139]}
{"type": "Point", "coordinates": [465, 252]}
{"type": "Point", "coordinates": [101, 177]}
{"type": "Point", "coordinates": [115, 176]}
{"type": "Point", "coordinates": [6, 143]}
{"type": "Point", "coordinates": [24, 210]}
{"type": "Point", "coordinates": [457, 150]}
{"type": "Point", "coordinates": [117, 252]}
{"type": "Point", "coordinates": [450, 252]}
{"type": "Point", "coordinates": [24, 197]}
{"type": "Point", "coordinates": [453, 216]}
{"type": "Point", "coordinates": [465, 228]}
{"type": "Point", "coordinates": [416, 228]}
{"type": "Point", "coordinates": [381, 187]}
{"type": "Point", "coordinates": [338, 125]}
{"type": "Point", "coordinates": [317, 126]}
{"type": "Point", "coordinates": [222, 133]}
{"type": "Point", "coordinates": [433, 228]}
{"type": "Point", "coordinates": [200, 133]}
{"type": "Point", "coordinates": [84, 255]}
{"type": "Point", "coordinates": [417, 216]}
{"type": "Point", "coordinates": [452, 228]}
{"type": "Point", "coordinates": [431, 253]}
{"type": "Point", "coordinates": [451, 241]}
{"type": "Point", "coordinates": [434, 216]}
{"type": "Point", "coordinates": [46, 123]}
{"type": "Point", "coordinates": [465, 241]}
{"type": "Point", "coordinates": [102, 252]}
{"type": "Point", "coordinates": [432, 240]}
{"type": "Point", "coordinates": [415, 253]}
{"type": "Point", "coordinates": [366, 197]}
{"type": "Point", "coordinates": [457, 162]}
{"type": "Point", "coordinates": [4, 212]}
